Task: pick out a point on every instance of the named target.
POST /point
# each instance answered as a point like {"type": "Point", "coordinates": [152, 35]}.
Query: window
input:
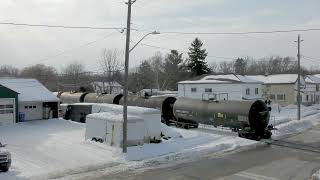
{"type": "Point", "coordinates": [281, 97]}
{"type": "Point", "coordinates": [208, 90]}
{"type": "Point", "coordinates": [34, 107]}
{"type": "Point", "coordinates": [256, 91]}
{"type": "Point", "coordinates": [247, 91]}
{"type": "Point", "coordinates": [307, 97]}
{"type": "Point", "coordinates": [26, 107]}
{"type": "Point", "coordinates": [193, 89]}
{"type": "Point", "coordinates": [317, 87]}
{"type": "Point", "coordinates": [30, 107]}
{"type": "Point", "coordinates": [272, 96]}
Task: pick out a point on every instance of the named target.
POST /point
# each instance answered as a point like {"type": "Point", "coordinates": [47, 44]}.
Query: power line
{"type": "Point", "coordinates": [241, 33]}
{"type": "Point", "coordinates": [158, 47]}
{"type": "Point", "coordinates": [62, 26]}
{"type": "Point", "coordinates": [69, 50]}
{"type": "Point", "coordinates": [310, 58]}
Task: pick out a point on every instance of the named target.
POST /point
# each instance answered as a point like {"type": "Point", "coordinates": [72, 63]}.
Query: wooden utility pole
{"type": "Point", "coordinates": [125, 90]}
{"type": "Point", "coordinates": [299, 83]}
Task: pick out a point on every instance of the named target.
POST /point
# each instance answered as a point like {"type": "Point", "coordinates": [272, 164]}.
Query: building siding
{"type": "Point", "coordinates": [235, 91]}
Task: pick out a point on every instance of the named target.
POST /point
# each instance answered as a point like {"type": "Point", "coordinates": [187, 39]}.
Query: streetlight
{"type": "Point", "coordinates": [125, 91]}
{"type": "Point", "coordinates": [153, 32]}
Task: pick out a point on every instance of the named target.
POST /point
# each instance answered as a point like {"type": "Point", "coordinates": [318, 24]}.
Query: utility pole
{"type": "Point", "coordinates": [125, 91]}
{"type": "Point", "coordinates": [299, 83]}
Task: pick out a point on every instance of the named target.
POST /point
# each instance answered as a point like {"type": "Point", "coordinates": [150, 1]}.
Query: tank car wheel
{"type": "Point", "coordinates": [186, 126]}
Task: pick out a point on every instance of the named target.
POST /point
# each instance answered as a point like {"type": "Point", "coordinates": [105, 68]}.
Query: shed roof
{"type": "Point", "coordinates": [29, 90]}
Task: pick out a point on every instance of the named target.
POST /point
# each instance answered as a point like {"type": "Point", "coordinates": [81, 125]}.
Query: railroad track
{"type": "Point", "coordinates": [293, 145]}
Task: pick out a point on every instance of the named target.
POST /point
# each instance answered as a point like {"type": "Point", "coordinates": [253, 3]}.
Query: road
{"type": "Point", "coordinates": [297, 158]}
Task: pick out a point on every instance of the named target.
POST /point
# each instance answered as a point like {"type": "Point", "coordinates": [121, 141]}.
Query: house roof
{"type": "Point", "coordinates": [222, 79]}
{"type": "Point", "coordinates": [29, 89]}
{"type": "Point", "coordinates": [276, 78]}
{"type": "Point", "coordinates": [313, 79]}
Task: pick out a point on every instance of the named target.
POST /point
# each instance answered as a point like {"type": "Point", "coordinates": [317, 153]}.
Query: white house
{"type": "Point", "coordinates": [230, 86]}
{"type": "Point", "coordinates": [313, 82]}
{"type": "Point", "coordinates": [34, 100]}
{"type": "Point", "coordinates": [282, 88]}
{"type": "Point", "coordinates": [107, 87]}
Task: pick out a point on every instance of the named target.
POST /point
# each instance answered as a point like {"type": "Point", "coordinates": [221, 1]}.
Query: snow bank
{"type": "Point", "coordinates": [281, 115]}
{"type": "Point", "coordinates": [289, 125]}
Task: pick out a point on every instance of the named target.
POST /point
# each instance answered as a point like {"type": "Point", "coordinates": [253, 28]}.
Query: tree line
{"type": "Point", "coordinates": [160, 71]}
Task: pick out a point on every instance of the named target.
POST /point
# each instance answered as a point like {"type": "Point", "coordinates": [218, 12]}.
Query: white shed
{"type": "Point", "coordinates": [107, 127]}
{"type": "Point", "coordinates": [151, 117]}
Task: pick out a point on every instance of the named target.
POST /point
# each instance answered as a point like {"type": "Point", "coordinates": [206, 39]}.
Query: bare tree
{"type": "Point", "coordinates": [111, 65]}
{"type": "Point", "coordinates": [73, 73]}
{"type": "Point", "coordinates": [9, 71]}
{"type": "Point", "coordinates": [47, 75]}
{"type": "Point", "coordinates": [226, 67]}
{"type": "Point", "coordinates": [156, 62]}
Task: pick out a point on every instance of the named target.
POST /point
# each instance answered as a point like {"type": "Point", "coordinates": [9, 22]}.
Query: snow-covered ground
{"type": "Point", "coordinates": [54, 148]}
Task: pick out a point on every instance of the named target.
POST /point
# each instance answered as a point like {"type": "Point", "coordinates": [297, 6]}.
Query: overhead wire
{"type": "Point", "coordinates": [241, 33]}
{"type": "Point", "coordinates": [62, 26]}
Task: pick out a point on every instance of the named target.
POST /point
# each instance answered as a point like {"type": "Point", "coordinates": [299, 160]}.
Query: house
{"type": "Point", "coordinates": [282, 88]}
{"type": "Point", "coordinates": [107, 87]}
{"type": "Point", "coordinates": [313, 82]}
{"type": "Point", "coordinates": [34, 100]}
{"type": "Point", "coordinates": [220, 87]}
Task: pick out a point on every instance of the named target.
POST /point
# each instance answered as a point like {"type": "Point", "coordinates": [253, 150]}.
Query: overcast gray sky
{"type": "Point", "coordinates": [23, 46]}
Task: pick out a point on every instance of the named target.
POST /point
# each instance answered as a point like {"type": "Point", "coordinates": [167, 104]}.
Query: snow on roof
{"type": "Point", "coordinates": [106, 84]}
{"type": "Point", "coordinates": [222, 79]}
{"type": "Point", "coordinates": [29, 90]}
{"type": "Point", "coordinates": [113, 117]}
{"type": "Point", "coordinates": [134, 110]}
{"type": "Point", "coordinates": [276, 78]}
{"type": "Point", "coordinates": [313, 79]}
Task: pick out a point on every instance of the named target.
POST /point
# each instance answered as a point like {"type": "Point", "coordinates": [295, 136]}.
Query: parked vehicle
{"type": "Point", "coordinates": [5, 158]}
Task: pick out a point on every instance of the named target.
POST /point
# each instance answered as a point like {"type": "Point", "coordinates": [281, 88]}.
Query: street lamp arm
{"type": "Point", "coordinates": [154, 32]}
{"type": "Point", "coordinates": [139, 41]}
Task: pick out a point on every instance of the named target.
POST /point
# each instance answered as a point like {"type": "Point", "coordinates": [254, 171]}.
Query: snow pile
{"type": "Point", "coordinates": [287, 124]}
{"type": "Point", "coordinates": [281, 115]}
{"type": "Point", "coordinates": [193, 143]}
{"type": "Point", "coordinates": [56, 148]}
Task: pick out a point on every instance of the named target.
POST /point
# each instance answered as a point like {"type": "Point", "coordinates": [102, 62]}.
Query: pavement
{"type": "Point", "coordinates": [293, 158]}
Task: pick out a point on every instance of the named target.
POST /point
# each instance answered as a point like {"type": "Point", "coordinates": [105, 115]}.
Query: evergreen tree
{"type": "Point", "coordinates": [240, 66]}
{"type": "Point", "coordinates": [197, 57]}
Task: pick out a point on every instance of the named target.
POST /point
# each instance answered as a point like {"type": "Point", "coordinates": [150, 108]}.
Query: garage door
{"type": "Point", "coordinates": [7, 111]}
